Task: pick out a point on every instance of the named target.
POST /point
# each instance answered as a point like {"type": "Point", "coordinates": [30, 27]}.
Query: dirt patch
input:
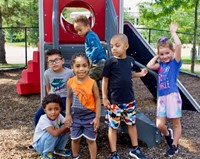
{"type": "Point", "coordinates": [16, 123]}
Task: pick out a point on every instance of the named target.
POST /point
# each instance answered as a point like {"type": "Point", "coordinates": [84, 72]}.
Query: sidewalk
{"type": "Point", "coordinates": [16, 55]}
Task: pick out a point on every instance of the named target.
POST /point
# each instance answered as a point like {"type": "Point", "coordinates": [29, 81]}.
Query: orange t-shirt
{"type": "Point", "coordinates": [84, 92]}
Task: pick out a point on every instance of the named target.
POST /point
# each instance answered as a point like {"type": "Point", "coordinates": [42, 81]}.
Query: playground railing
{"type": "Point", "coordinates": [20, 39]}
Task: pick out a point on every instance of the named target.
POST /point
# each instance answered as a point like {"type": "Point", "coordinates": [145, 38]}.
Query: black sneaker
{"type": "Point", "coordinates": [137, 153]}
{"type": "Point", "coordinates": [172, 150]}
{"type": "Point", "coordinates": [169, 138]}
{"type": "Point", "coordinates": [114, 155]}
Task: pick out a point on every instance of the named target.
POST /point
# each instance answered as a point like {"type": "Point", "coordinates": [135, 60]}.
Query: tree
{"type": "Point", "coordinates": [15, 13]}
{"type": "Point", "coordinates": [161, 13]}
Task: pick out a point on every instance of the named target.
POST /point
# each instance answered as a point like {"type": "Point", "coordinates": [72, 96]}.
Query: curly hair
{"type": "Point", "coordinates": [83, 19]}
{"type": "Point", "coordinates": [51, 98]}
{"type": "Point", "coordinates": [79, 54]}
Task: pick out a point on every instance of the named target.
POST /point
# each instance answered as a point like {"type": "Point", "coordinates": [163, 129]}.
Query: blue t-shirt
{"type": "Point", "coordinates": [119, 72]}
{"type": "Point", "coordinates": [167, 77]}
{"type": "Point", "coordinates": [93, 47]}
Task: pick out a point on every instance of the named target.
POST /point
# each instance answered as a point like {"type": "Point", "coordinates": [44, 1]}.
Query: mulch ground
{"type": "Point", "coordinates": [16, 123]}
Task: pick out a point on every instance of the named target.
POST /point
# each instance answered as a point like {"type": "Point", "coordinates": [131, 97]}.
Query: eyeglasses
{"type": "Point", "coordinates": [163, 39]}
{"type": "Point", "coordinates": [55, 61]}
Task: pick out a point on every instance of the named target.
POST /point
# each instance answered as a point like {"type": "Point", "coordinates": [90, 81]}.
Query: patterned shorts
{"type": "Point", "coordinates": [121, 112]}
{"type": "Point", "coordinates": [169, 106]}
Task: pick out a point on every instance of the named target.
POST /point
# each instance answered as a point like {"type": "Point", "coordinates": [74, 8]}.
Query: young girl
{"type": "Point", "coordinates": [83, 106]}
{"type": "Point", "coordinates": [169, 104]}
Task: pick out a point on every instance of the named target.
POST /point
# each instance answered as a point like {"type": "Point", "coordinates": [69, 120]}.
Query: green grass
{"type": "Point", "coordinates": [20, 44]}
{"type": "Point", "coordinates": [187, 60]}
{"type": "Point", "coordinates": [187, 70]}
{"type": "Point", "coordinates": [10, 66]}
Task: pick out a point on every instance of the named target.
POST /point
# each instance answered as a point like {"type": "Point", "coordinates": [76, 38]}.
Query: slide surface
{"type": "Point", "coordinates": [142, 52]}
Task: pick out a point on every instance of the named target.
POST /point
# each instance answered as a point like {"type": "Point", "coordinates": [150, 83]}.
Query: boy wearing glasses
{"type": "Point", "coordinates": [55, 79]}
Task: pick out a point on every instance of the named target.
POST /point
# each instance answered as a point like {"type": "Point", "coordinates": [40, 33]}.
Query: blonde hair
{"type": "Point", "coordinates": [164, 42]}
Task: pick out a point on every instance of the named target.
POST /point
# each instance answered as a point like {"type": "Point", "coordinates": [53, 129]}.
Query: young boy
{"type": "Point", "coordinates": [118, 95]}
{"type": "Point", "coordinates": [55, 79]}
{"type": "Point", "coordinates": [51, 135]}
{"type": "Point", "coordinates": [93, 48]}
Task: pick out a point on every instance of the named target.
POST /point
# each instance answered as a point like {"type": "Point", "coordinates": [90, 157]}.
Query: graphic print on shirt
{"type": "Point", "coordinates": [163, 77]}
{"type": "Point", "coordinates": [57, 85]}
{"type": "Point", "coordinates": [81, 95]}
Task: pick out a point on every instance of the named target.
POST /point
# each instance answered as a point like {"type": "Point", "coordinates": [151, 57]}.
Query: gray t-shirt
{"type": "Point", "coordinates": [58, 81]}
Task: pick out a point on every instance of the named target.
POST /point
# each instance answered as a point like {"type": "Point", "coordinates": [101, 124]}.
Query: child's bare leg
{"type": "Point", "coordinates": [92, 148]}
{"type": "Point", "coordinates": [75, 147]}
{"type": "Point", "coordinates": [133, 134]}
{"type": "Point", "coordinates": [161, 125]}
{"type": "Point", "coordinates": [177, 130]}
{"type": "Point", "coordinates": [112, 137]}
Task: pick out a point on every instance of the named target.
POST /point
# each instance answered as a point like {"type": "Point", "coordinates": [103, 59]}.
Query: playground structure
{"type": "Point", "coordinates": [107, 19]}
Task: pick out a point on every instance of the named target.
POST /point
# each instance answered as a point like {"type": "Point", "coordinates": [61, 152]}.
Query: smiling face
{"type": "Point", "coordinates": [165, 54]}
{"type": "Point", "coordinates": [55, 62]}
{"type": "Point", "coordinates": [81, 67]}
{"type": "Point", "coordinates": [81, 28]}
{"type": "Point", "coordinates": [119, 45]}
{"type": "Point", "coordinates": [52, 110]}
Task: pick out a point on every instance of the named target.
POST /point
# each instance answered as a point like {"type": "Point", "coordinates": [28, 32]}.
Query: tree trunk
{"type": "Point", "coordinates": [2, 42]}
{"type": "Point", "coordinates": [195, 36]}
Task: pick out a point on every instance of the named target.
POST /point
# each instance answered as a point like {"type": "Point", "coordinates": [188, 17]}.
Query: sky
{"type": "Point", "coordinates": [134, 2]}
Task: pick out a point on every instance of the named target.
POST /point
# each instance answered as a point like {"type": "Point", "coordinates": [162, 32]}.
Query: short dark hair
{"type": "Point", "coordinates": [53, 52]}
{"type": "Point", "coordinates": [83, 19]}
{"type": "Point", "coordinates": [51, 98]}
{"type": "Point", "coordinates": [79, 54]}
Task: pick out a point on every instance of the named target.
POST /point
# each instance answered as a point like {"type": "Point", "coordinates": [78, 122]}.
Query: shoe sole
{"type": "Point", "coordinates": [171, 155]}
{"type": "Point", "coordinates": [132, 155]}
{"type": "Point", "coordinates": [60, 154]}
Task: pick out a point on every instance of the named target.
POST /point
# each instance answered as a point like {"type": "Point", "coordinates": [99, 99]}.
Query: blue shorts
{"type": "Point", "coordinates": [121, 112]}
{"type": "Point", "coordinates": [82, 127]}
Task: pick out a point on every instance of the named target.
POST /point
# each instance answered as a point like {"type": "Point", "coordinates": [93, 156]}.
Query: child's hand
{"type": "Point", "coordinates": [144, 71]}
{"type": "Point", "coordinates": [68, 121]}
{"type": "Point", "coordinates": [106, 103]}
{"type": "Point", "coordinates": [173, 27]}
{"type": "Point", "coordinates": [95, 122]}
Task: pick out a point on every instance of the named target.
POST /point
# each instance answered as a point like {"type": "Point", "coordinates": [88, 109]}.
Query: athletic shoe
{"type": "Point", "coordinates": [169, 138]}
{"type": "Point", "coordinates": [76, 157]}
{"type": "Point", "coordinates": [137, 153]}
{"type": "Point", "coordinates": [171, 151]}
{"type": "Point", "coordinates": [47, 156]}
{"type": "Point", "coordinates": [114, 155]}
{"type": "Point", "coordinates": [63, 153]}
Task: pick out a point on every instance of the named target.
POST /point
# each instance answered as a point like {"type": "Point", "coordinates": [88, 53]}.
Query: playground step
{"type": "Point", "coordinates": [27, 88]}
{"type": "Point", "coordinates": [36, 56]}
{"type": "Point", "coordinates": [29, 77]}
{"type": "Point", "coordinates": [33, 66]}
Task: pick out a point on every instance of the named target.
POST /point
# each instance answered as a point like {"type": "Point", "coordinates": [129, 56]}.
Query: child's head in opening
{"type": "Point", "coordinates": [119, 45]}
{"type": "Point", "coordinates": [55, 60]}
{"type": "Point", "coordinates": [81, 25]}
{"type": "Point", "coordinates": [80, 64]}
{"type": "Point", "coordinates": [165, 49]}
{"type": "Point", "coordinates": [52, 105]}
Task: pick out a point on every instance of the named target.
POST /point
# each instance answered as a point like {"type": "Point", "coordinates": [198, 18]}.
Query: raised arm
{"type": "Point", "coordinates": [173, 29]}
{"type": "Point", "coordinates": [152, 64]}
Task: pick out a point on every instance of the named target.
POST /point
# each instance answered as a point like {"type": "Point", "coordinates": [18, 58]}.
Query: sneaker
{"type": "Point", "coordinates": [169, 138]}
{"type": "Point", "coordinates": [172, 150]}
{"type": "Point", "coordinates": [76, 157]}
{"type": "Point", "coordinates": [63, 153]}
{"type": "Point", "coordinates": [47, 156]}
{"type": "Point", "coordinates": [114, 155]}
{"type": "Point", "coordinates": [30, 147]}
{"type": "Point", "coordinates": [137, 153]}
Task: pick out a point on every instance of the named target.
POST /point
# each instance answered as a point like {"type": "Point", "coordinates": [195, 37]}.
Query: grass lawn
{"type": "Point", "coordinates": [10, 66]}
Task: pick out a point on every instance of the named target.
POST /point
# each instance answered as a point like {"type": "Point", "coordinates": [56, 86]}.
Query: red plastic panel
{"type": "Point", "coordinates": [67, 34]}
